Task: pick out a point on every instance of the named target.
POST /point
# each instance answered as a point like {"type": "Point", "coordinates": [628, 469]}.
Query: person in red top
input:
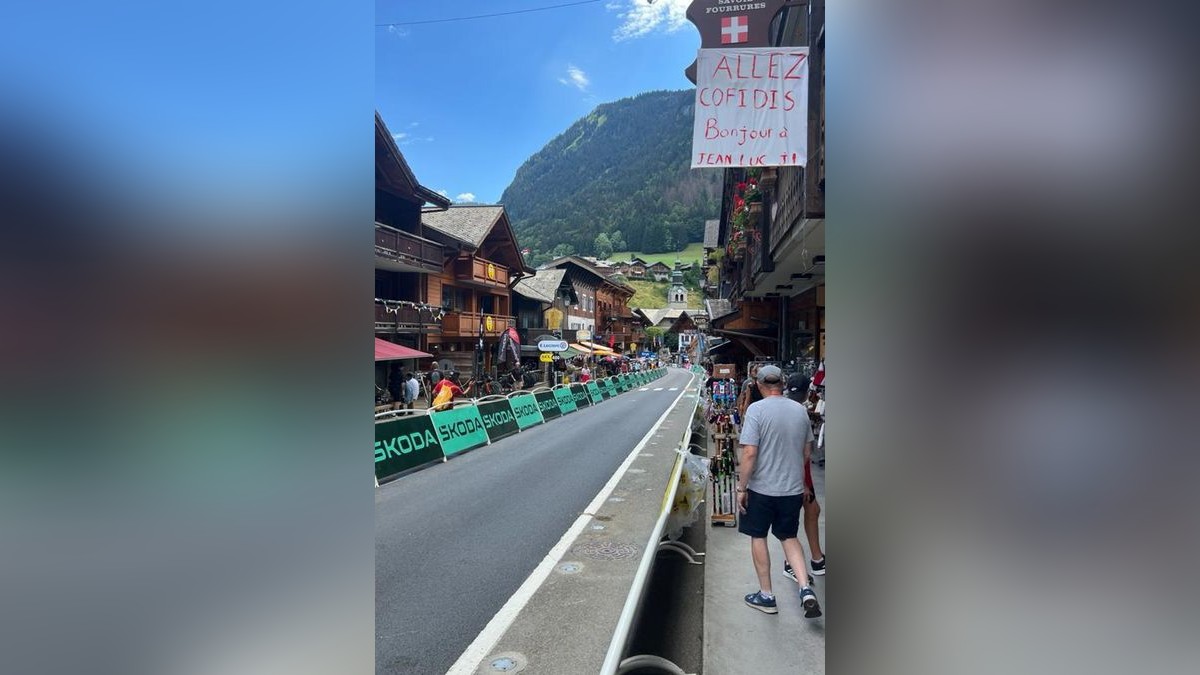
{"type": "Point", "coordinates": [452, 383]}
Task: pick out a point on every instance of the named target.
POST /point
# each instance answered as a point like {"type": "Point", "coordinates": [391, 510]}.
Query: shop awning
{"type": "Point", "coordinates": [390, 351]}
{"type": "Point", "coordinates": [581, 349]}
{"type": "Point", "coordinates": [600, 350]}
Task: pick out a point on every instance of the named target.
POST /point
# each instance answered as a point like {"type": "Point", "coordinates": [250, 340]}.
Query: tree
{"type": "Point", "coordinates": [603, 246]}
{"type": "Point", "coordinates": [654, 335]}
{"type": "Point", "coordinates": [618, 241]}
{"type": "Point", "coordinates": [562, 250]}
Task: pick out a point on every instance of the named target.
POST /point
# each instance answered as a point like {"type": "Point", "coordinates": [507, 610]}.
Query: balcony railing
{"type": "Point", "coordinates": [466, 324]}
{"type": "Point", "coordinates": [400, 319]}
{"type": "Point", "coordinates": [475, 270]}
{"type": "Point", "coordinates": [404, 252]}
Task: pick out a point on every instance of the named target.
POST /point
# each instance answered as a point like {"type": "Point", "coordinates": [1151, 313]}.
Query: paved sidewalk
{"type": "Point", "coordinates": [738, 639]}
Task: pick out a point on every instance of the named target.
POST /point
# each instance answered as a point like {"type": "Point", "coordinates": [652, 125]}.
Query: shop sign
{"type": "Point", "coordinates": [548, 405]}
{"type": "Point", "coordinates": [404, 444]}
{"type": "Point", "coordinates": [525, 408]}
{"type": "Point", "coordinates": [583, 335]}
{"type": "Point", "coordinates": [726, 23]}
{"type": "Point", "coordinates": [459, 429]}
{"type": "Point", "coordinates": [579, 394]}
{"type": "Point", "coordinates": [566, 402]}
{"type": "Point", "coordinates": [594, 392]}
{"type": "Point", "coordinates": [552, 345]}
{"type": "Point", "coordinates": [546, 357]}
{"type": "Point", "coordinates": [498, 419]}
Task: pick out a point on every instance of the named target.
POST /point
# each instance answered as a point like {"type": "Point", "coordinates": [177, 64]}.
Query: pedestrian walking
{"type": "Point", "coordinates": [798, 389]}
{"type": "Point", "coordinates": [776, 440]}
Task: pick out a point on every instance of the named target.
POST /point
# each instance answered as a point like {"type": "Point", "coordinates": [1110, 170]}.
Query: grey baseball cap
{"type": "Point", "coordinates": [770, 374]}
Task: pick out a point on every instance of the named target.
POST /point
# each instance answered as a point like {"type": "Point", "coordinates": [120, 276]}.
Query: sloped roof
{"type": "Point", "coordinates": [718, 308]}
{"type": "Point", "coordinates": [590, 268]}
{"type": "Point", "coordinates": [467, 223]}
{"type": "Point", "coordinates": [655, 316]}
{"type": "Point", "coordinates": [542, 286]}
{"type": "Point", "coordinates": [712, 233]}
{"type": "Point", "coordinates": [391, 166]}
{"type": "Point", "coordinates": [660, 264]}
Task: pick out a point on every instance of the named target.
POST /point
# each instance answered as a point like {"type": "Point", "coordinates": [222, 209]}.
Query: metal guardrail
{"type": "Point", "coordinates": [614, 663]}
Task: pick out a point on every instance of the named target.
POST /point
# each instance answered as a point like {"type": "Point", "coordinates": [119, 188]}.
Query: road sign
{"type": "Point", "coordinates": [546, 357]}
{"type": "Point", "coordinates": [552, 346]}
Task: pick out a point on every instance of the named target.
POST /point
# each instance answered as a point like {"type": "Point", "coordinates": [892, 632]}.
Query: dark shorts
{"type": "Point", "coordinates": [779, 515]}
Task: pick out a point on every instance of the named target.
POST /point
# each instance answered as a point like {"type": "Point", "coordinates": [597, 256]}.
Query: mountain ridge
{"type": "Point", "coordinates": [622, 170]}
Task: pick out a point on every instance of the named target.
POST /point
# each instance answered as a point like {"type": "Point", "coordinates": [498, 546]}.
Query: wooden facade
{"type": "Point", "coordinates": [776, 284]}
{"type": "Point", "coordinates": [443, 275]}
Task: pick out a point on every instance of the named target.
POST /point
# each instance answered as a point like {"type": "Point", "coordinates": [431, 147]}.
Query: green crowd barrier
{"type": "Point", "coordinates": [525, 408]}
{"type": "Point", "coordinates": [498, 419]}
{"type": "Point", "coordinates": [579, 394]}
{"type": "Point", "coordinates": [566, 402]}
{"type": "Point", "coordinates": [548, 404]}
{"type": "Point", "coordinates": [459, 429]}
{"type": "Point", "coordinates": [410, 442]}
{"type": "Point", "coordinates": [403, 444]}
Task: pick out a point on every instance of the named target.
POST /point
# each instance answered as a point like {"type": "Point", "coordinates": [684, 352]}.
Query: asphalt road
{"type": "Point", "coordinates": [453, 542]}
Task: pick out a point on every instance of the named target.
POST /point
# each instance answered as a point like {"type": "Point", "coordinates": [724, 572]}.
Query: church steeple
{"type": "Point", "coordinates": [677, 295]}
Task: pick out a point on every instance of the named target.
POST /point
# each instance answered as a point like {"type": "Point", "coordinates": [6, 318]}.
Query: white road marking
{"type": "Point", "coordinates": [471, 657]}
{"type": "Point", "coordinates": [658, 389]}
{"type": "Point", "coordinates": [673, 389]}
{"type": "Point", "coordinates": [644, 389]}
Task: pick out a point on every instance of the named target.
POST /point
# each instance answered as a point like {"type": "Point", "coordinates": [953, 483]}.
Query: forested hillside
{"type": "Point", "coordinates": [621, 172]}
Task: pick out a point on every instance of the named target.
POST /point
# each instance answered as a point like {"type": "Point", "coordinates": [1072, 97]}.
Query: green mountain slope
{"type": "Point", "coordinates": [622, 171]}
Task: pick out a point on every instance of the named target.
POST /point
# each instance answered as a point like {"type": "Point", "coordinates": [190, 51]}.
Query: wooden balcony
{"type": "Point", "coordinates": [466, 324]}
{"type": "Point", "coordinates": [479, 272]}
{"type": "Point", "coordinates": [400, 319]}
{"type": "Point", "coordinates": [400, 251]}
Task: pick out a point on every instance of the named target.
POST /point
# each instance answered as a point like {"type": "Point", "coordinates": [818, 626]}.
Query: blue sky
{"type": "Point", "coordinates": [469, 101]}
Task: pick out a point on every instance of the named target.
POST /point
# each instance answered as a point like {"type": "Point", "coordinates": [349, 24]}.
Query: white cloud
{"type": "Point", "coordinates": [465, 197]}
{"type": "Point", "coordinates": [399, 136]}
{"type": "Point", "coordinates": [443, 193]}
{"type": "Point", "coordinates": [575, 78]}
{"type": "Point", "coordinates": [641, 18]}
{"type": "Point", "coordinates": [399, 31]}
{"type": "Point", "coordinates": [413, 124]}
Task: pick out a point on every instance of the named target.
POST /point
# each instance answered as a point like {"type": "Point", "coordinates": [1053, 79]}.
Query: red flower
{"type": "Point", "coordinates": [741, 187]}
{"type": "Point", "coordinates": [738, 203]}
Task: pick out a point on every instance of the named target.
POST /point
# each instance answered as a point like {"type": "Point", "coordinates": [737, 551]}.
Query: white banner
{"type": "Point", "coordinates": [751, 107]}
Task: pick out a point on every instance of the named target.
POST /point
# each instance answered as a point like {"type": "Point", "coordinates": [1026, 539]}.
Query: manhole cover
{"type": "Point", "coordinates": [607, 550]}
{"type": "Point", "coordinates": [506, 662]}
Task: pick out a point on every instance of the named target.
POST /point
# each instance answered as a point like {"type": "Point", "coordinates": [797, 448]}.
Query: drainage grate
{"type": "Point", "coordinates": [607, 550]}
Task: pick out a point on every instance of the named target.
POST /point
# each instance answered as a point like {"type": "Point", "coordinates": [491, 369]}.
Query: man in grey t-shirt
{"type": "Point", "coordinates": [776, 440]}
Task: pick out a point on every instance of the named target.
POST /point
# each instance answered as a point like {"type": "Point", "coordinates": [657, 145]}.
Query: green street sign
{"type": "Point", "coordinates": [459, 429]}
{"type": "Point", "coordinates": [548, 404]}
{"type": "Point", "coordinates": [566, 402]}
{"type": "Point", "coordinates": [594, 392]}
{"type": "Point", "coordinates": [525, 408]}
{"type": "Point", "coordinates": [403, 444]}
{"type": "Point", "coordinates": [498, 419]}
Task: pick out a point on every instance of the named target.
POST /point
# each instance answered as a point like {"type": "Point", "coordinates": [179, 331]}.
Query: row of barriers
{"type": "Point", "coordinates": [412, 439]}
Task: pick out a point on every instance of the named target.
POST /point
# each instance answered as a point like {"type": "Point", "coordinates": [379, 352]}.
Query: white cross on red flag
{"type": "Point", "coordinates": [735, 29]}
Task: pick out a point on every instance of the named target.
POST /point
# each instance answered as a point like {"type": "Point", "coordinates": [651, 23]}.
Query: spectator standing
{"type": "Point", "coordinates": [776, 440]}
{"type": "Point", "coordinates": [412, 388]}
{"type": "Point", "coordinates": [798, 389]}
